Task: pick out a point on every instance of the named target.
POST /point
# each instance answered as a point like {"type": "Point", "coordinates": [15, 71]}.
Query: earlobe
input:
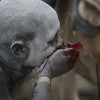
{"type": "Point", "coordinates": [52, 3]}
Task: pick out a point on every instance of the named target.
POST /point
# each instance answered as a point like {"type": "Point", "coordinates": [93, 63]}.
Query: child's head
{"type": "Point", "coordinates": [28, 32]}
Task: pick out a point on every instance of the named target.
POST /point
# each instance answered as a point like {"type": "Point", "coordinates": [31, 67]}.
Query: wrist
{"type": "Point", "coordinates": [44, 80]}
{"type": "Point", "coordinates": [45, 73]}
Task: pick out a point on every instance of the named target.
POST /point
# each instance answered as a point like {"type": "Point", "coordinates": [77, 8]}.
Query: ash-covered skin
{"type": "Point", "coordinates": [35, 27]}
{"type": "Point", "coordinates": [28, 34]}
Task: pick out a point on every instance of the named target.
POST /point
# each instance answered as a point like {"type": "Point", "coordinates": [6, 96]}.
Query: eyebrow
{"type": "Point", "coordinates": [26, 36]}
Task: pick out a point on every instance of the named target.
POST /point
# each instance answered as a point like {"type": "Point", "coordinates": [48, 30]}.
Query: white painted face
{"type": "Point", "coordinates": [33, 24]}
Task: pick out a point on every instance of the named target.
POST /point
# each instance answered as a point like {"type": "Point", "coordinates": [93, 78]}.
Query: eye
{"type": "Point", "coordinates": [54, 40]}
{"type": "Point", "coordinates": [18, 49]}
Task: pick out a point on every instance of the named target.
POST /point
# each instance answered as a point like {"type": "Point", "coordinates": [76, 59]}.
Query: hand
{"type": "Point", "coordinates": [59, 63]}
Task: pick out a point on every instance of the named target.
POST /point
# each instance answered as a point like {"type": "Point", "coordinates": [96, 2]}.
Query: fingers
{"type": "Point", "coordinates": [72, 55]}
{"type": "Point", "coordinates": [71, 52]}
{"type": "Point", "coordinates": [59, 63]}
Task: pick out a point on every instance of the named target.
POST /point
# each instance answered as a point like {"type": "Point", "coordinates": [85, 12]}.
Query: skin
{"type": "Point", "coordinates": [20, 27]}
{"type": "Point", "coordinates": [52, 68]}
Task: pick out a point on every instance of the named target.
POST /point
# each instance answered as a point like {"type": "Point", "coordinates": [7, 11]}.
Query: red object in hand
{"type": "Point", "coordinates": [76, 46]}
{"type": "Point", "coordinates": [75, 52]}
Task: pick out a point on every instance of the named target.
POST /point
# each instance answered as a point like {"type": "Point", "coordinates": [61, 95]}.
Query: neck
{"type": "Point", "coordinates": [13, 78]}
{"type": "Point", "coordinates": [13, 75]}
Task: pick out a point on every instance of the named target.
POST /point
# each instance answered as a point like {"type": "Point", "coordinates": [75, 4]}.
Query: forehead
{"type": "Point", "coordinates": [20, 17]}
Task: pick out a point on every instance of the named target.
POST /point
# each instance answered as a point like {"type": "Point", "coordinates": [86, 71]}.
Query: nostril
{"type": "Point", "coordinates": [54, 40]}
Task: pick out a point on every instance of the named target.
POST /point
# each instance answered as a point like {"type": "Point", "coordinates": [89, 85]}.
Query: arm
{"type": "Point", "coordinates": [42, 89]}
{"type": "Point", "coordinates": [59, 63]}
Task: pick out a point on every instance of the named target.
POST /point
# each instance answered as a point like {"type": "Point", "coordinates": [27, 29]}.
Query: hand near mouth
{"type": "Point", "coordinates": [60, 62]}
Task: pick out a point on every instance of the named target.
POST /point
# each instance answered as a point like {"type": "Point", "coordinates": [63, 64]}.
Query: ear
{"type": "Point", "coordinates": [89, 12]}
{"type": "Point", "coordinates": [18, 49]}
{"type": "Point", "coordinates": [52, 3]}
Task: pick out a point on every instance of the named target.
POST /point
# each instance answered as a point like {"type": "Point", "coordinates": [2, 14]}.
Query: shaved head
{"type": "Point", "coordinates": [31, 15]}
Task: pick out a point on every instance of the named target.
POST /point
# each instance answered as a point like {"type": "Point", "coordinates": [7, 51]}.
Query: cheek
{"type": "Point", "coordinates": [35, 58]}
